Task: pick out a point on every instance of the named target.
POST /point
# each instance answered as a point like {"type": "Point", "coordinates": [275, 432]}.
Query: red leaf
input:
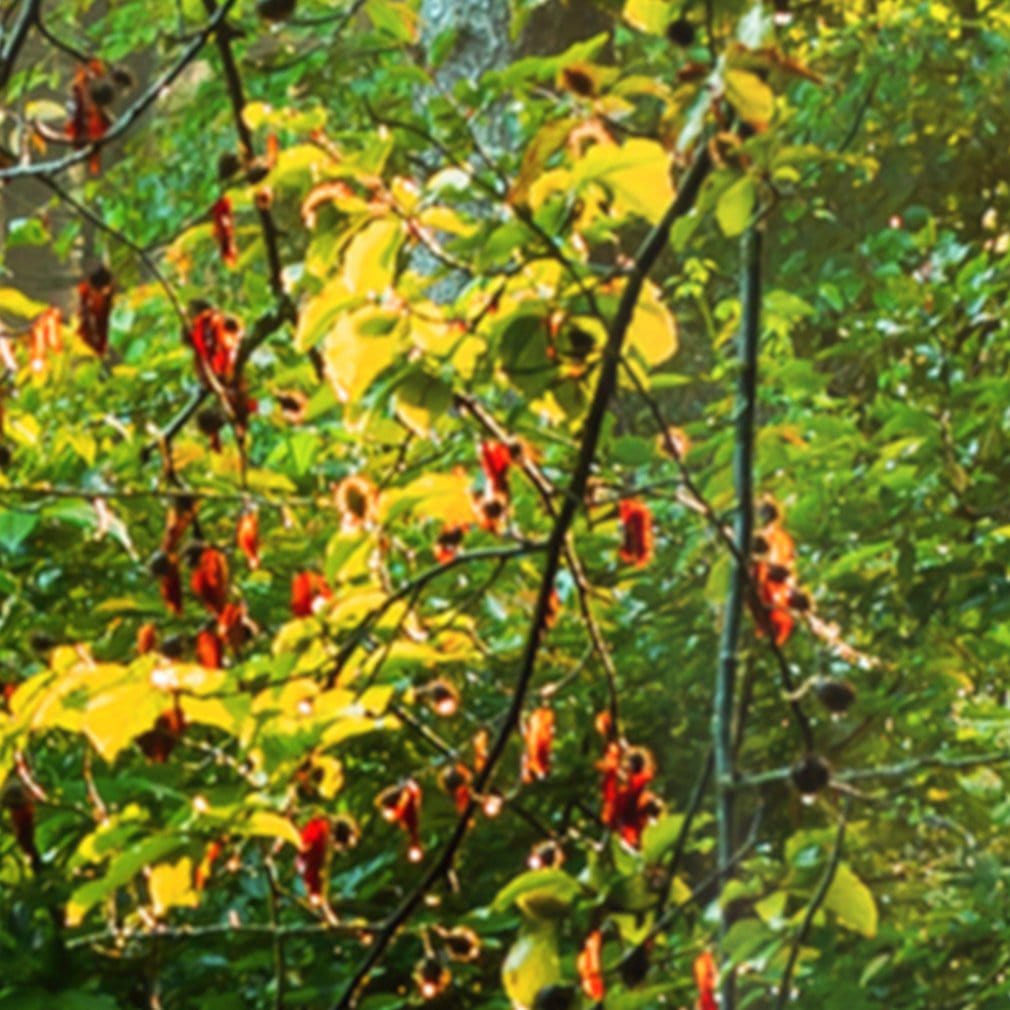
{"type": "Point", "coordinates": [94, 305]}
{"type": "Point", "coordinates": [636, 522]}
{"type": "Point", "coordinates": [147, 639]}
{"type": "Point", "coordinates": [208, 650]}
{"type": "Point", "coordinates": [45, 338]}
{"type": "Point", "coordinates": [171, 588]}
{"type": "Point", "coordinates": [223, 220]}
{"type": "Point", "coordinates": [495, 460]}
{"type": "Point", "coordinates": [311, 861]}
{"type": "Point", "coordinates": [308, 590]}
{"type": "Point", "coordinates": [589, 967]}
{"type": "Point", "coordinates": [209, 580]}
{"type": "Point", "coordinates": [706, 978]}
{"type": "Point", "coordinates": [23, 823]}
{"type": "Point", "coordinates": [538, 735]}
{"type": "Point", "coordinates": [402, 805]}
{"type": "Point", "coordinates": [247, 536]}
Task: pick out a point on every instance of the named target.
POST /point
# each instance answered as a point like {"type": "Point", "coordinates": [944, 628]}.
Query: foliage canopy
{"type": "Point", "coordinates": [499, 542]}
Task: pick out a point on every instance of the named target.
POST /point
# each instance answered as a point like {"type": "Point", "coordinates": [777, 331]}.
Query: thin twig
{"type": "Point", "coordinates": [357, 637]}
{"type": "Point", "coordinates": [815, 903]}
{"type": "Point", "coordinates": [65, 47]}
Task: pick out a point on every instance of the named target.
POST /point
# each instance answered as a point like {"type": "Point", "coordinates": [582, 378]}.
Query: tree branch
{"type": "Point", "coordinates": [695, 500]}
{"type": "Point", "coordinates": [605, 386]}
{"type": "Point", "coordinates": [16, 39]}
{"type": "Point", "coordinates": [233, 80]}
{"type": "Point", "coordinates": [546, 490]}
{"type": "Point", "coordinates": [130, 115]}
{"type": "Point", "coordinates": [743, 478]}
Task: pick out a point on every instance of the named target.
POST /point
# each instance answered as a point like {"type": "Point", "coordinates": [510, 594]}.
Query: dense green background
{"type": "Point", "coordinates": [883, 433]}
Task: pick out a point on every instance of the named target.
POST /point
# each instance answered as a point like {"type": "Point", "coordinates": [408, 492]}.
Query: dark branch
{"type": "Point", "coordinates": [236, 93]}
{"type": "Point", "coordinates": [743, 479]}
{"type": "Point", "coordinates": [606, 383]}
{"type": "Point", "coordinates": [130, 115]}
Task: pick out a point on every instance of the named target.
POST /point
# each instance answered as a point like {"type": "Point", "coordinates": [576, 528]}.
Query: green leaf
{"type": "Point", "coordinates": [660, 836]}
{"type": "Point", "coordinates": [421, 399]}
{"type": "Point", "coordinates": [120, 871]}
{"type": "Point", "coordinates": [852, 902]}
{"type": "Point", "coordinates": [736, 206]}
{"type": "Point", "coordinates": [543, 894]}
{"type": "Point", "coordinates": [531, 963]}
{"type": "Point", "coordinates": [15, 528]}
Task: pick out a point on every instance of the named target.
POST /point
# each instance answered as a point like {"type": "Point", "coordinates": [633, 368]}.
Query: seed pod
{"type": "Point", "coordinates": [257, 172]}
{"type": "Point", "coordinates": [432, 977]}
{"type": "Point", "coordinates": [123, 77]}
{"type": "Point", "coordinates": [634, 966]}
{"type": "Point", "coordinates": [461, 944]}
{"type": "Point", "coordinates": [175, 646]}
{"type": "Point", "coordinates": [680, 32]}
{"type": "Point", "coordinates": [275, 10]}
{"type": "Point", "coordinates": [40, 641]}
{"type": "Point", "coordinates": [554, 997]}
{"type": "Point", "coordinates": [344, 830]}
{"type": "Point", "coordinates": [768, 512]}
{"type": "Point", "coordinates": [811, 774]}
{"type": "Point", "coordinates": [102, 91]}
{"type": "Point", "coordinates": [159, 564]}
{"type": "Point", "coordinates": [211, 420]}
{"type": "Point", "coordinates": [546, 855]}
{"type": "Point", "coordinates": [834, 693]}
{"type": "Point", "coordinates": [228, 164]}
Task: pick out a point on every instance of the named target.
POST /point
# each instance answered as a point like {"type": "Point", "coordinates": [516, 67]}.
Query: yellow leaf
{"type": "Point", "coordinates": [547, 140]}
{"type": "Point", "coordinates": [421, 399]}
{"type": "Point", "coordinates": [429, 331]}
{"type": "Point", "coordinates": [444, 219]}
{"type": "Point", "coordinates": [317, 317]}
{"type": "Point", "coordinates": [15, 303]}
{"type": "Point", "coordinates": [547, 184]}
{"type": "Point", "coordinates": [214, 712]}
{"type": "Point", "coordinates": [852, 902]}
{"type": "Point", "coordinates": [750, 96]}
{"type": "Point", "coordinates": [171, 886]}
{"type": "Point", "coordinates": [442, 496]}
{"type": "Point", "coordinates": [653, 330]}
{"type": "Point", "coordinates": [264, 824]}
{"type": "Point", "coordinates": [116, 717]}
{"type": "Point", "coordinates": [637, 174]}
{"type": "Point", "coordinates": [370, 258]}
{"type": "Point", "coordinates": [354, 358]}
{"type": "Point", "coordinates": [648, 15]}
